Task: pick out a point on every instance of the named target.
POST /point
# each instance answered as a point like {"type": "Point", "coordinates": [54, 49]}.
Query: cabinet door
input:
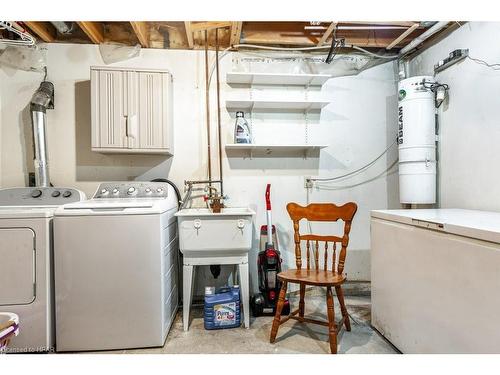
{"type": "Point", "coordinates": [130, 111]}
{"type": "Point", "coordinates": [153, 110]}
{"type": "Point", "coordinates": [109, 121]}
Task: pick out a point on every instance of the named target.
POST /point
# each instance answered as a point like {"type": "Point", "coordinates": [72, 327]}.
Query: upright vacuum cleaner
{"type": "Point", "coordinates": [268, 265]}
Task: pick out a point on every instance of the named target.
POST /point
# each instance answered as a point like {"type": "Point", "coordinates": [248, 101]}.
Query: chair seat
{"type": "Point", "coordinates": [312, 277]}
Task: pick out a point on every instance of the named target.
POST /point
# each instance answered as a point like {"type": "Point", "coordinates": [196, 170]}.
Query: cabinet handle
{"type": "Point", "coordinates": [132, 123]}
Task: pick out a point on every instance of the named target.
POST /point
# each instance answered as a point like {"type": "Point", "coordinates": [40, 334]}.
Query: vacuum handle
{"type": "Point", "coordinates": [268, 197]}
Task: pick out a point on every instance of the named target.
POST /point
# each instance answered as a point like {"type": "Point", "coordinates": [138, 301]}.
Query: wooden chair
{"type": "Point", "coordinates": [317, 277]}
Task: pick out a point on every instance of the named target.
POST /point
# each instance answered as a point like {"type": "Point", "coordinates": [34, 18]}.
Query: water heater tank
{"type": "Point", "coordinates": [416, 141]}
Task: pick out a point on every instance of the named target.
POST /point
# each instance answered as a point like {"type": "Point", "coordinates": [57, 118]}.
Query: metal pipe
{"type": "Point", "coordinates": [40, 149]}
{"type": "Point", "coordinates": [218, 109]}
{"type": "Point", "coordinates": [423, 37]}
{"type": "Point", "coordinates": [195, 182]}
{"type": "Point", "coordinates": [207, 103]}
{"type": "Point", "coordinates": [42, 99]}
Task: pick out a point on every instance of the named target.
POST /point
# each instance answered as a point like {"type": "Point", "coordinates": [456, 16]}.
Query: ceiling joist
{"type": "Point", "coordinates": [202, 26]}
{"type": "Point", "coordinates": [402, 36]}
{"type": "Point", "coordinates": [43, 30]}
{"type": "Point", "coordinates": [189, 34]}
{"type": "Point", "coordinates": [94, 30]}
{"type": "Point", "coordinates": [389, 35]}
{"type": "Point", "coordinates": [235, 33]}
{"type": "Point", "coordinates": [327, 33]}
{"type": "Point", "coordinates": [141, 30]}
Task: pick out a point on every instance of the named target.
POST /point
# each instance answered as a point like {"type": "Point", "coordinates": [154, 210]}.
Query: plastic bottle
{"type": "Point", "coordinates": [242, 131]}
{"type": "Point", "coordinates": [222, 308]}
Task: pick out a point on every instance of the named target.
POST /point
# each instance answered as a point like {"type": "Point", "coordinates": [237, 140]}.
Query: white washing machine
{"type": "Point", "coordinates": [116, 268]}
{"type": "Point", "coordinates": [26, 280]}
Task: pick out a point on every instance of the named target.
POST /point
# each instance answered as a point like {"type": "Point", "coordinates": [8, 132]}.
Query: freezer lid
{"type": "Point", "coordinates": [482, 225]}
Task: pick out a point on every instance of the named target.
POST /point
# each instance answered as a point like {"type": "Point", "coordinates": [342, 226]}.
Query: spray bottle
{"type": "Point", "coordinates": [242, 131]}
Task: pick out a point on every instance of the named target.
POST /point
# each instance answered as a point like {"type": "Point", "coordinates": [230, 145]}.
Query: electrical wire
{"type": "Point", "coordinates": [434, 87]}
{"type": "Point", "coordinates": [360, 49]}
{"type": "Point", "coordinates": [495, 66]}
{"type": "Point", "coordinates": [382, 174]}
{"type": "Point", "coordinates": [389, 57]}
{"type": "Point", "coordinates": [334, 48]}
{"type": "Point", "coordinates": [357, 171]}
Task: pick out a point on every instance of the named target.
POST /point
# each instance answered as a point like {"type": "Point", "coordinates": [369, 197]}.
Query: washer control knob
{"type": "Point", "coordinates": [56, 193]}
{"type": "Point", "coordinates": [36, 193]}
{"type": "Point", "coordinates": [67, 194]}
{"type": "Point", "coordinates": [104, 192]}
{"type": "Point", "coordinates": [116, 191]}
{"type": "Point", "coordinates": [148, 190]}
{"type": "Point", "coordinates": [159, 190]}
{"type": "Point", "coordinates": [131, 191]}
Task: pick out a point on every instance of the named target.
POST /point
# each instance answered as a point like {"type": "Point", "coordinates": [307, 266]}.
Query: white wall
{"type": "Point", "coordinates": [358, 125]}
{"type": "Point", "coordinates": [470, 120]}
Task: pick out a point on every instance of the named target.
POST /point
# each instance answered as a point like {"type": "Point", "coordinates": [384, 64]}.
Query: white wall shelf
{"type": "Point", "coordinates": [276, 79]}
{"type": "Point", "coordinates": [259, 104]}
{"type": "Point", "coordinates": [273, 150]}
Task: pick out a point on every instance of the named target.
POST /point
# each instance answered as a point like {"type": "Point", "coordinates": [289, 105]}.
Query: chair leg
{"type": "Point", "coordinates": [332, 331]}
{"type": "Point", "coordinates": [345, 315]}
{"type": "Point", "coordinates": [277, 315]}
{"type": "Point", "coordinates": [301, 302]}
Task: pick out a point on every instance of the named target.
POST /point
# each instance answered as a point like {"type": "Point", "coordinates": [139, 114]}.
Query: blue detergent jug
{"type": "Point", "coordinates": [222, 307]}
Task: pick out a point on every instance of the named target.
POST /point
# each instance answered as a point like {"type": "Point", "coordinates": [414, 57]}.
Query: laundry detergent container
{"type": "Point", "coordinates": [222, 308]}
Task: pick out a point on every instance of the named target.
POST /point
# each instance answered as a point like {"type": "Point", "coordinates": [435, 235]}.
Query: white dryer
{"type": "Point", "coordinates": [116, 268]}
{"type": "Point", "coordinates": [26, 286]}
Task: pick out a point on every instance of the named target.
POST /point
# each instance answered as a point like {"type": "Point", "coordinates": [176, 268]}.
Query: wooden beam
{"type": "Point", "coordinates": [402, 36]}
{"type": "Point", "coordinates": [299, 40]}
{"type": "Point", "coordinates": [141, 29]}
{"type": "Point", "coordinates": [44, 30]}
{"type": "Point", "coordinates": [327, 33]}
{"type": "Point", "coordinates": [94, 31]}
{"type": "Point", "coordinates": [235, 33]}
{"type": "Point", "coordinates": [202, 26]}
{"type": "Point", "coordinates": [189, 34]}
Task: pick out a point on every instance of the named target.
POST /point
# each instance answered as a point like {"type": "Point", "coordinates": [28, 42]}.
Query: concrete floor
{"type": "Point", "coordinates": [293, 337]}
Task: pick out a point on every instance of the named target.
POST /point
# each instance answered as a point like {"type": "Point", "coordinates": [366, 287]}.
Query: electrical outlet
{"type": "Point", "coordinates": [308, 183]}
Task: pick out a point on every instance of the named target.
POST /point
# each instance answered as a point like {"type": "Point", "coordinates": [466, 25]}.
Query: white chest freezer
{"type": "Point", "coordinates": [436, 279]}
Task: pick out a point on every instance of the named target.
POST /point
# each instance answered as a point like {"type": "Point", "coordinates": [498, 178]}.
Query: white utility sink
{"type": "Point", "coordinates": [206, 239]}
{"type": "Point", "coordinates": [204, 233]}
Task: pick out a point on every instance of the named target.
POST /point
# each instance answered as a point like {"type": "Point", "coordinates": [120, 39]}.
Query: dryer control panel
{"type": "Point", "coordinates": [39, 196]}
{"type": "Point", "coordinates": [132, 189]}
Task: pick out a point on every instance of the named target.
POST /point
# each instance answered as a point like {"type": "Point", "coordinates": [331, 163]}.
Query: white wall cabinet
{"type": "Point", "coordinates": [131, 110]}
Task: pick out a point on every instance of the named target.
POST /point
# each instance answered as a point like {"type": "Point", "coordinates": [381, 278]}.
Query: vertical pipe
{"type": "Point", "coordinates": [207, 103]}
{"type": "Point", "coordinates": [40, 149]}
{"type": "Point", "coordinates": [218, 109]}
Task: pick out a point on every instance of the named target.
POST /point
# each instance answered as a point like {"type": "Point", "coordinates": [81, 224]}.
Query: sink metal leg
{"type": "Point", "coordinates": [245, 292]}
{"type": "Point", "coordinates": [187, 293]}
{"type": "Point", "coordinates": [235, 274]}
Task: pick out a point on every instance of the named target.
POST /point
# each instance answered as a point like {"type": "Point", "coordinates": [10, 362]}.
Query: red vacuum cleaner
{"type": "Point", "coordinates": [268, 265]}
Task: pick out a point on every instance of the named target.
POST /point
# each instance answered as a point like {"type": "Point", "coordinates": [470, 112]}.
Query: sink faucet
{"type": "Point", "coordinates": [213, 199]}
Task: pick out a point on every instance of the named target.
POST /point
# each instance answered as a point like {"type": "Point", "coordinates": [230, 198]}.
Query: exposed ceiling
{"type": "Point", "coordinates": [191, 35]}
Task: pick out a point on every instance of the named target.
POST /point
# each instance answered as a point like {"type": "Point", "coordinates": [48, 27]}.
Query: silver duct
{"type": "Point", "coordinates": [42, 99]}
